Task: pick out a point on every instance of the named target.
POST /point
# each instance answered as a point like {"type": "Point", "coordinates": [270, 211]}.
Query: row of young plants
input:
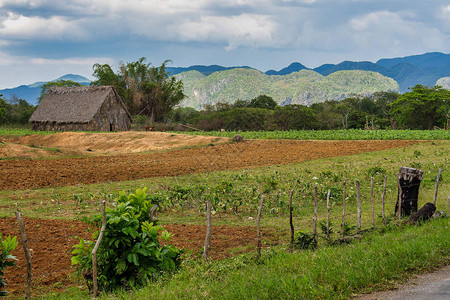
{"type": "Point", "coordinates": [239, 193]}
{"type": "Point", "coordinates": [342, 134]}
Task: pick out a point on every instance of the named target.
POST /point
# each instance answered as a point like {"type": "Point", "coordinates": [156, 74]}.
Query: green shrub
{"type": "Point", "coordinates": [6, 259]}
{"type": "Point", "coordinates": [377, 170]}
{"type": "Point", "coordinates": [303, 240]}
{"type": "Point", "coordinates": [130, 253]}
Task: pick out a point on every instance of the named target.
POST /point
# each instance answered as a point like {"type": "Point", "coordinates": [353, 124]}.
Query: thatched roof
{"type": "Point", "coordinates": [72, 104]}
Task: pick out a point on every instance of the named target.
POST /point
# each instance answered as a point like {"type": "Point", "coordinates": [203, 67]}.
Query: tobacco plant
{"type": "Point", "coordinates": [6, 259]}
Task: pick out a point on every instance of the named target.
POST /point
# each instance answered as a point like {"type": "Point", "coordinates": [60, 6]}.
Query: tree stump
{"type": "Point", "coordinates": [423, 214]}
{"type": "Point", "coordinates": [409, 180]}
{"type": "Point", "coordinates": [238, 138]}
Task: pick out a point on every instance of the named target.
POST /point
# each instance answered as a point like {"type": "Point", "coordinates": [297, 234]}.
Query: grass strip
{"type": "Point", "coordinates": [338, 272]}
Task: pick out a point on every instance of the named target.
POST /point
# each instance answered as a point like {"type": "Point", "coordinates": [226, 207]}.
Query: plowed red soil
{"type": "Point", "coordinates": [25, 174]}
{"type": "Point", "coordinates": [51, 242]}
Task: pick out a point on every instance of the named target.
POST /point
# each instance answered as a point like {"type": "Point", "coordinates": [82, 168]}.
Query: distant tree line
{"type": "Point", "coordinates": [151, 96]}
{"type": "Point", "coordinates": [15, 110]}
{"type": "Point", "coordinates": [421, 108]}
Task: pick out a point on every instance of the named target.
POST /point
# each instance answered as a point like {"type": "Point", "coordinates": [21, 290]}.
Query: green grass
{"type": "Point", "coordinates": [344, 134]}
{"type": "Point", "coordinates": [15, 131]}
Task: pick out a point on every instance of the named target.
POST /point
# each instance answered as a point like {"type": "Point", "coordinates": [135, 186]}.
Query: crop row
{"type": "Point", "coordinates": [344, 134]}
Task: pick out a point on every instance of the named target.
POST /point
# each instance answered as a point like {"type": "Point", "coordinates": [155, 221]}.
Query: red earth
{"type": "Point", "coordinates": [32, 174]}
{"type": "Point", "coordinates": [51, 241]}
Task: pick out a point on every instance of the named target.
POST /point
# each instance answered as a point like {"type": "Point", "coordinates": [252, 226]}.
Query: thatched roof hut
{"type": "Point", "coordinates": [92, 108]}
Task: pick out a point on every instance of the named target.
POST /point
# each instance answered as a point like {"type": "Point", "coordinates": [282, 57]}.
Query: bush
{"type": "Point", "coordinates": [6, 259]}
{"type": "Point", "coordinates": [130, 253]}
{"type": "Point", "coordinates": [377, 170]}
{"type": "Point", "coordinates": [303, 240]}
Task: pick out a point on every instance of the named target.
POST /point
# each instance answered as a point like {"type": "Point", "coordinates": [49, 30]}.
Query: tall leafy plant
{"type": "Point", "coordinates": [6, 259]}
{"type": "Point", "coordinates": [130, 253]}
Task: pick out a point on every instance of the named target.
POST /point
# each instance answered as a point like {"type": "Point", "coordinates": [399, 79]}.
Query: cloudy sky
{"type": "Point", "coordinates": [44, 39]}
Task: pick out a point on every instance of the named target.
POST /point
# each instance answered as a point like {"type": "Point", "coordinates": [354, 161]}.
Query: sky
{"type": "Point", "coordinates": [41, 40]}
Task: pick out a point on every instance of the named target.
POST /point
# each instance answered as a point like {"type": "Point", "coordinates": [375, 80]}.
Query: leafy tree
{"type": "Point", "coordinates": [18, 111]}
{"type": "Point", "coordinates": [61, 82]}
{"type": "Point", "coordinates": [292, 117]}
{"type": "Point", "coordinates": [184, 114]}
{"type": "Point", "coordinates": [263, 101]}
{"type": "Point", "coordinates": [382, 101]}
{"type": "Point", "coordinates": [422, 108]}
{"type": "Point", "coordinates": [144, 89]}
{"type": "Point", "coordinates": [3, 106]}
{"type": "Point", "coordinates": [241, 103]}
{"type": "Point", "coordinates": [246, 119]}
{"type": "Point", "coordinates": [327, 115]}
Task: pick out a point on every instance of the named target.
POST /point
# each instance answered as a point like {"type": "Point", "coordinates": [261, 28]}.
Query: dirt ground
{"type": "Point", "coordinates": [93, 144]}
{"type": "Point", "coordinates": [51, 243]}
{"type": "Point", "coordinates": [26, 174]}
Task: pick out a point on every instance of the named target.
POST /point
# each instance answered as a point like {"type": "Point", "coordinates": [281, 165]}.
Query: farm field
{"type": "Point", "coordinates": [23, 144]}
{"type": "Point", "coordinates": [342, 134]}
{"type": "Point", "coordinates": [251, 153]}
{"type": "Point", "coordinates": [54, 194]}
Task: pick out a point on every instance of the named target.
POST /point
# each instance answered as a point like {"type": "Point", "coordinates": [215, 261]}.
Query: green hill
{"type": "Point", "coordinates": [304, 87]}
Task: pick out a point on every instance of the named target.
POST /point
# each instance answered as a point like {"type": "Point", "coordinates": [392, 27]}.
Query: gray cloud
{"type": "Point", "coordinates": [268, 33]}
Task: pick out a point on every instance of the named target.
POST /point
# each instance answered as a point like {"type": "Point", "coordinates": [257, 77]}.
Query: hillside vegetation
{"type": "Point", "coordinates": [304, 87]}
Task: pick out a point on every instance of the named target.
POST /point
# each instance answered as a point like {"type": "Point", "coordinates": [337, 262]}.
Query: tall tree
{"type": "Point", "coordinates": [422, 108]}
{"type": "Point", "coordinates": [382, 101]}
{"type": "Point", "coordinates": [3, 106]}
{"type": "Point", "coordinates": [145, 89]}
{"type": "Point", "coordinates": [263, 101]}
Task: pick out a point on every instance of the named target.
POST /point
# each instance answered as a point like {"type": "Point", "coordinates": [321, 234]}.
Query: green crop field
{"type": "Point", "coordinates": [344, 134]}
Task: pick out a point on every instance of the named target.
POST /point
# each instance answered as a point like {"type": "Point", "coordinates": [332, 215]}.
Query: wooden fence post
{"type": "Point", "coordinates": [328, 217]}
{"type": "Point", "coordinates": [291, 248]}
{"type": "Point", "coordinates": [358, 196]}
{"type": "Point", "coordinates": [400, 196]}
{"type": "Point", "coordinates": [315, 214]}
{"type": "Point", "coordinates": [207, 245]}
{"type": "Point", "coordinates": [27, 254]}
{"type": "Point", "coordinates": [448, 204]}
{"type": "Point", "coordinates": [436, 186]}
{"type": "Point", "coordinates": [258, 223]}
{"type": "Point", "coordinates": [372, 201]}
{"type": "Point", "coordinates": [343, 208]}
{"type": "Point", "coordinates": [94, 251]}
{"type": "Point", "coordinates": [383, 195]}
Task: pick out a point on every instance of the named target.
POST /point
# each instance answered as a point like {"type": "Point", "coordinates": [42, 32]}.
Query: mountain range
{"type": "Point", "coordinates": [425, 69]}
{"type": "Point", "coordinates": [304, 87]}
{"type": "Point", "coordinates": [407, 71]}
{"type": "Point", "coordinates": [31, 92]}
